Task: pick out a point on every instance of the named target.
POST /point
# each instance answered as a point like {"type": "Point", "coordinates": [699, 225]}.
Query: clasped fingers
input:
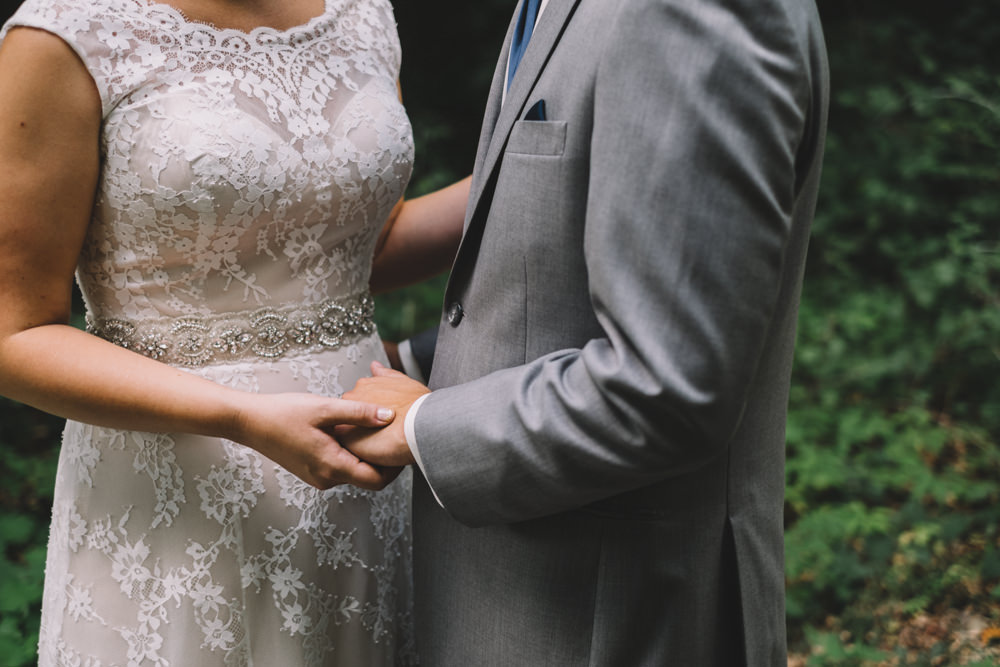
{"type": "Point", "coordinates": [336, 466]}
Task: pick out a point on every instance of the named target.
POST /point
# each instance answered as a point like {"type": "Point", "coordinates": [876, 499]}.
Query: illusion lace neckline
{"type": "Point", "coordinates": [181, 17]}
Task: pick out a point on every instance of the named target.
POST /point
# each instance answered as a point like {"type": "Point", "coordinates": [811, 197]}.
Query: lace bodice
{"type": "Point", "coordinates": [240, 170]}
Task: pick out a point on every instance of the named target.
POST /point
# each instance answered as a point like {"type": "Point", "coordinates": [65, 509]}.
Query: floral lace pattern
{"type": "Point", "coordinates": [242, 173]}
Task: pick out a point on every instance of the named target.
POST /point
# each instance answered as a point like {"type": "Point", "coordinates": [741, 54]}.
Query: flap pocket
{"type": "Point", "coordinates": [537, 137]}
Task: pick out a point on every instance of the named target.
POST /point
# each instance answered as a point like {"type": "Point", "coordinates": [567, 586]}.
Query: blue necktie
{"type": "Point", "coordinates": [522, 33]}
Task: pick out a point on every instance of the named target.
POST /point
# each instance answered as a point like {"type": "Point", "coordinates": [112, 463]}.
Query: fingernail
{"type": "Point", "coordinates": [378, 364]}
{"type": "Point", "coordinates": [385, 414]}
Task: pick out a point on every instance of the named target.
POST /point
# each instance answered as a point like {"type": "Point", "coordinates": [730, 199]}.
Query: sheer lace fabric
{"type": "Point", "coordinates": [241, 173]}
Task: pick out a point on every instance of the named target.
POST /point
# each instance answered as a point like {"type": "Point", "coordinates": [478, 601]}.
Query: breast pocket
{"type": "Point", "coordinates": [537, 137]}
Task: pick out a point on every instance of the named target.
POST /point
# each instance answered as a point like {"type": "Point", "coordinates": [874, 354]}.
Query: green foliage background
{"type": "Point", "coordinates": [893, 501]}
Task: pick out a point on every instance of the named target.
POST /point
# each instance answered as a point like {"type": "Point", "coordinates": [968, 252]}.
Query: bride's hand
{"type": "Point", "coordinates": [295, 431]}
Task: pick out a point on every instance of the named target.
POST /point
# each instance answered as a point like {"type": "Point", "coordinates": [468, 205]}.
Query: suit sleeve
{"type": "Point", "coordinates": [698, 116]}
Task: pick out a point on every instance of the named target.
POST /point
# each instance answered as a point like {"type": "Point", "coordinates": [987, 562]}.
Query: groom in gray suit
{"type": "Point", "coordinates": [602, 454]}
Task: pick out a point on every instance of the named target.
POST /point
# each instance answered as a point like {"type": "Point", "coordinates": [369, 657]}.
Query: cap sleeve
{"type": "Point", "coordinates": [88, 28]}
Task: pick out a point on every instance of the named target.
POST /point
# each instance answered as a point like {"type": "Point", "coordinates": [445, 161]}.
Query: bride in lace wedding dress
{"type": "Point", "coordinates": [217, 175]}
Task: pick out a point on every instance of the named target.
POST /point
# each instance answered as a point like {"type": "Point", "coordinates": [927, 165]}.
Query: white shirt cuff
{"type": "Point", "coordinates": [410, 431]}
{"type": "Point", "coordinates": [410, 365]}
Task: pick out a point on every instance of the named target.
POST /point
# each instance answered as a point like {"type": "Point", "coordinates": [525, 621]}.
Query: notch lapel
{"type": "Point", "coordinates": [499, 120]}
{"type": "Point", "coordinates": [493, 103]}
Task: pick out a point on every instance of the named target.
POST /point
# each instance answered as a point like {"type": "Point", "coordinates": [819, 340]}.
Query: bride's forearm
{"type": "Point", "coordinates": [72, 374]}
{"type": "Point", "coordinates": [421, 239]}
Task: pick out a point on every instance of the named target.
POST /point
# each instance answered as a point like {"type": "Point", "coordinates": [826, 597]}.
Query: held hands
{"type": "Point", "coordinates": [385, 446]}
{"type": "Point", "coordinates": [330, 441]}
{"type": "Point", "coordinates": [296, 432]}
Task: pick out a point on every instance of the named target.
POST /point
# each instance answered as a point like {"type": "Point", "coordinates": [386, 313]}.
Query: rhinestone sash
{"type": "Point", "coordinates": [265, 333]}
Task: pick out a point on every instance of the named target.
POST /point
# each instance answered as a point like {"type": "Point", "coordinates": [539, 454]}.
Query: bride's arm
{"type": "Point", "coordinates": [50, 116]}
{"type": "Point", "coordinates": [421, 237]}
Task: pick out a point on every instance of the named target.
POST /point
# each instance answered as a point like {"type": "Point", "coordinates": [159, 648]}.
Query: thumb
{"type": "Point", "coordinates": [360, 414]}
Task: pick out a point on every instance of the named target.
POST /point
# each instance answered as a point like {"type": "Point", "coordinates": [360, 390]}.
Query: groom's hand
{"type": "Point", "coordinates": [385, 446]}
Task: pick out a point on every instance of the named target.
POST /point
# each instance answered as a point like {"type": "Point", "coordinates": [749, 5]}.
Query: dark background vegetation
{"type": "Point", "coordinates": [893, 476]}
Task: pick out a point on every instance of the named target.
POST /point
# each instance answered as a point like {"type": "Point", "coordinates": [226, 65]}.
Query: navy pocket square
{"type": "Point", "coordinates": [536, 112]}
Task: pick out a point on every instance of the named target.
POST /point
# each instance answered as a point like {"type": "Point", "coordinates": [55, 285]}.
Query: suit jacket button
{"type": "Point", "coordinates": [455, 314]}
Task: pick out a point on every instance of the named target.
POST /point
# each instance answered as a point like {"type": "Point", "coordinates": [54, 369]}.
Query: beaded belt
{"type": "Point", "coordinates": [264, 333]}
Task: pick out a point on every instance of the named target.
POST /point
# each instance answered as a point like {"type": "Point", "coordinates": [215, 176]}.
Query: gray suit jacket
{"type": "Point", "coordinates": [606, 431]}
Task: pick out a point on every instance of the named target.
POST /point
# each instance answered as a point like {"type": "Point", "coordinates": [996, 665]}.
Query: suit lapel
{"type": "Point", "coordinates": [499, 119]}
{"type": "Point", "coordinates": [493, 104]}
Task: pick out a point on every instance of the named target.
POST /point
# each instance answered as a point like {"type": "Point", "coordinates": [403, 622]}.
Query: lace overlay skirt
{"type": "Point", "coordinates": [181, 550]}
